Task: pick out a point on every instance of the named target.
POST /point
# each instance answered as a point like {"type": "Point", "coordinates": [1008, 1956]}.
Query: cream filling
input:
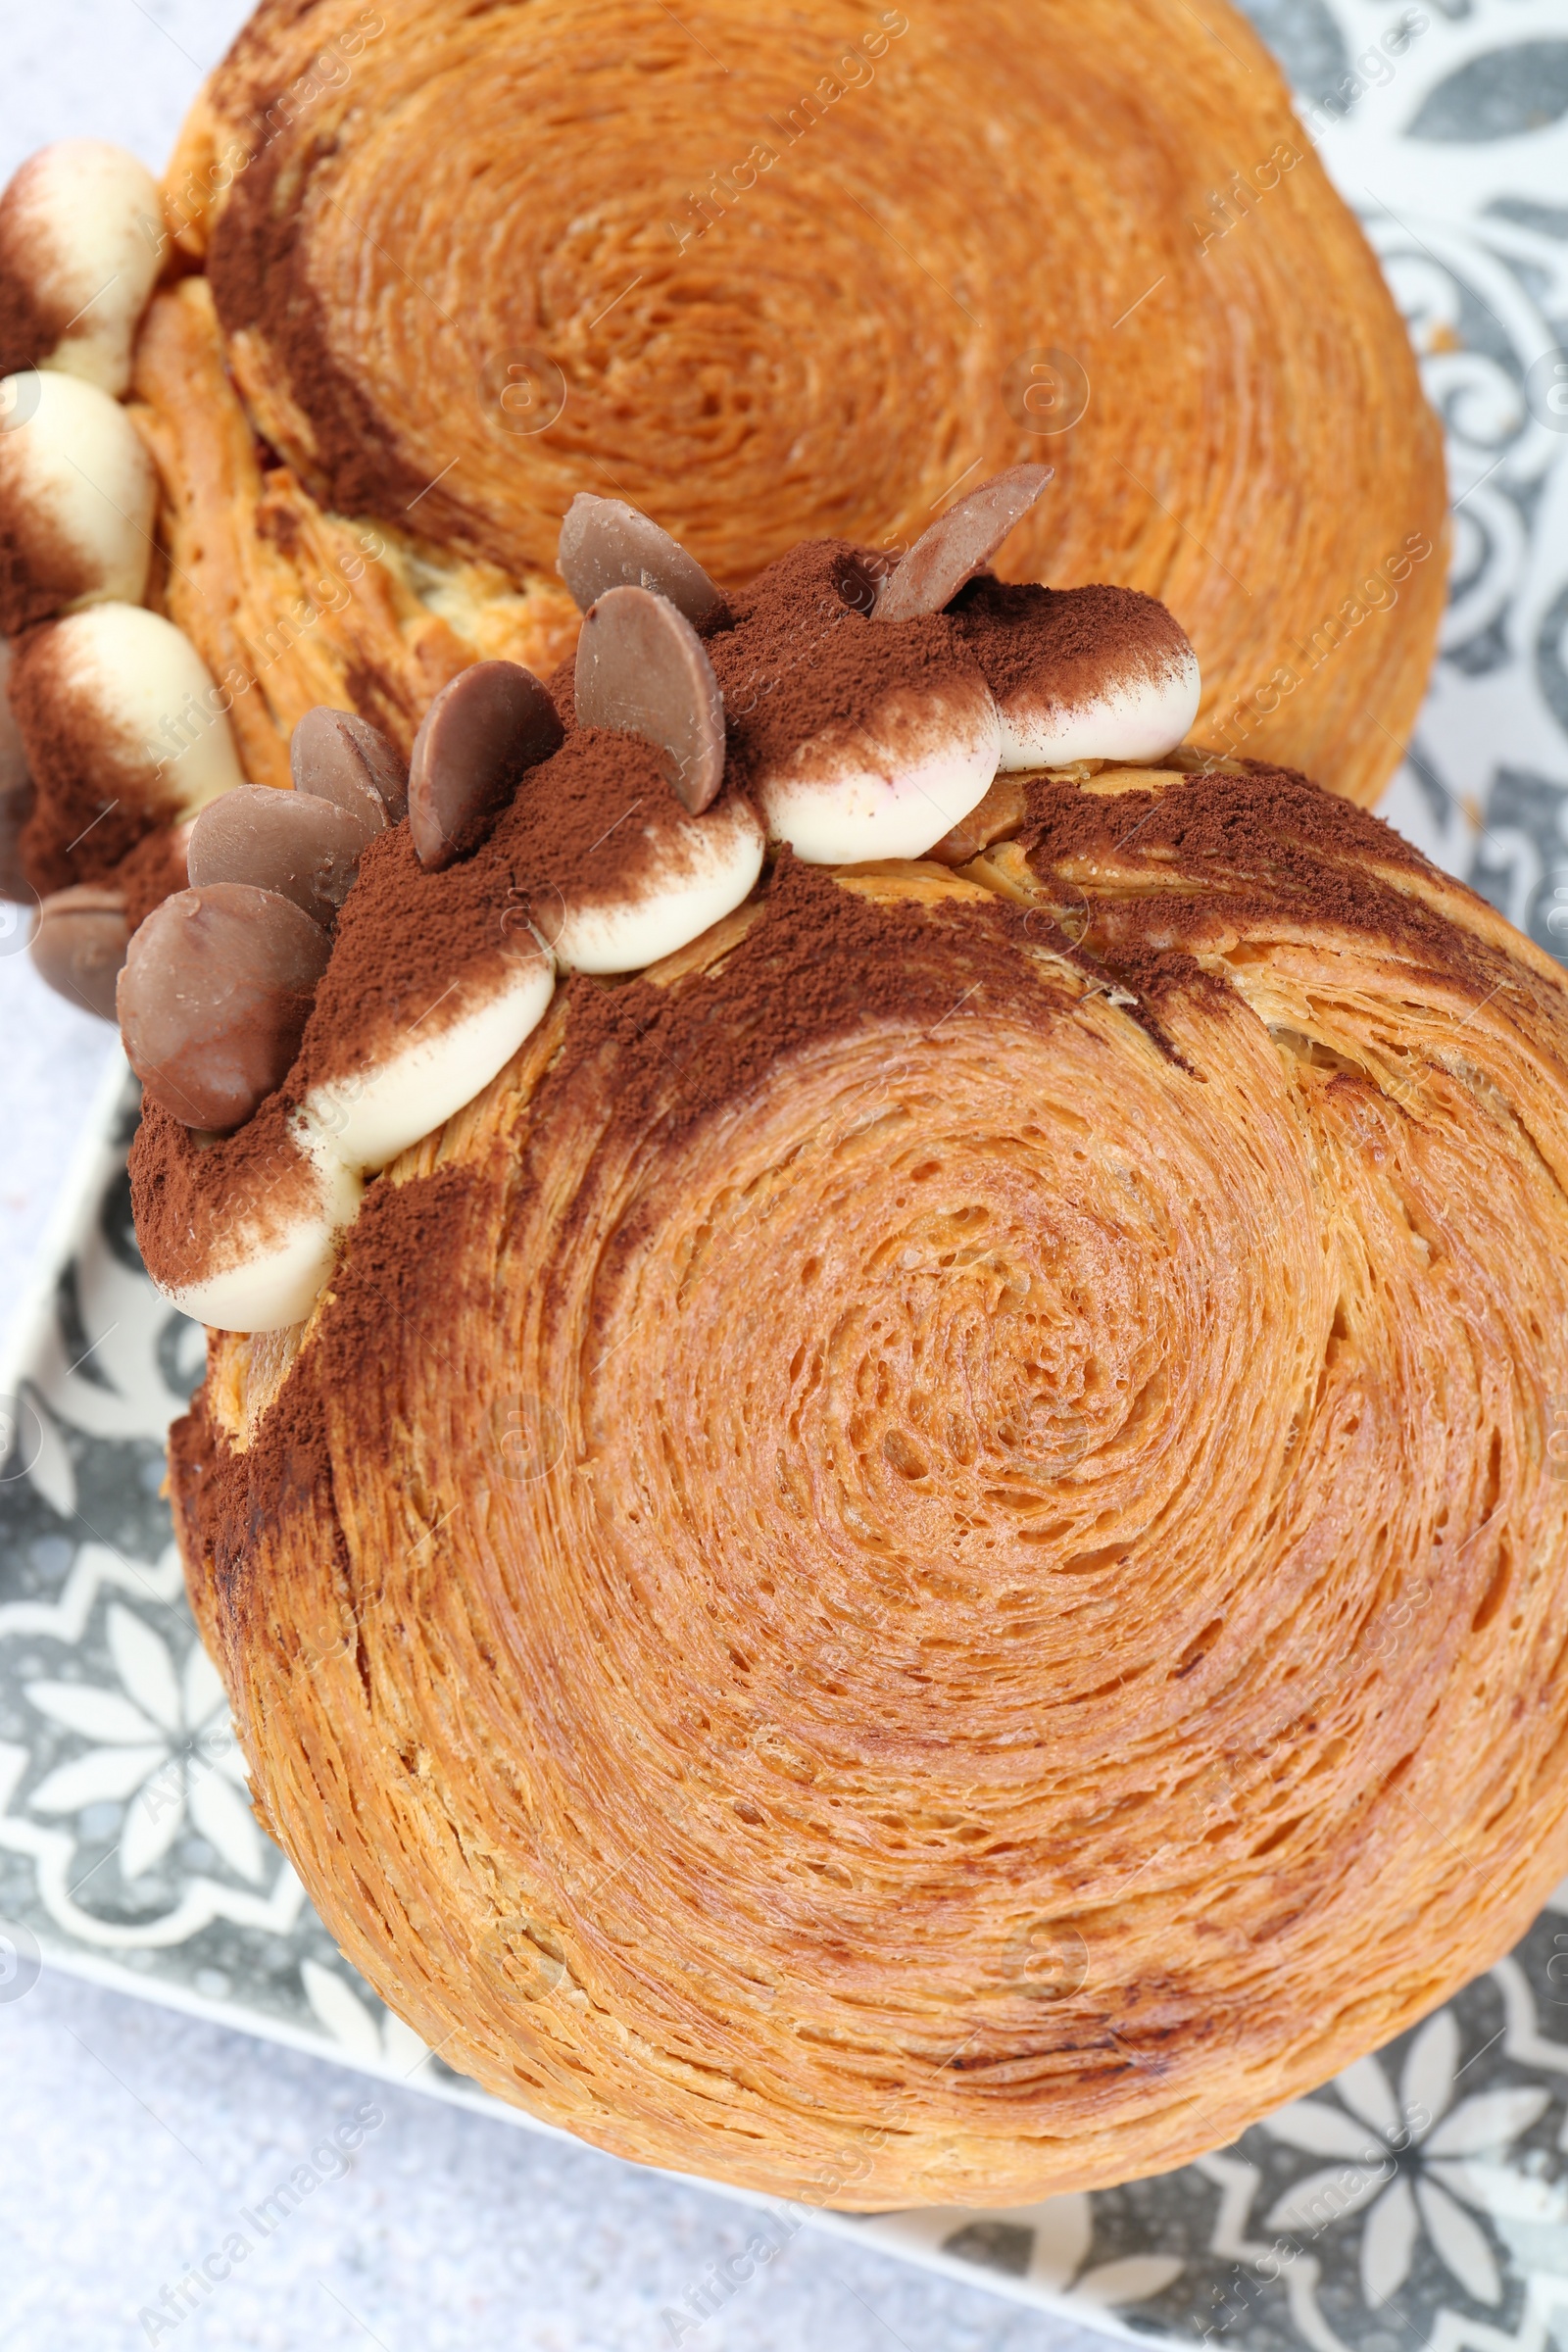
{"type": "Point", "coordinates": [708, 875]}
{"type": "Point", "coordinates": [366, 1118]}
{"type": "Point", "coordinates": [350, 1127]}
{"type": "Point", "coordinates": [77, 468]}
{"type": "Point", "coordinates": [98, 220]}
{"type": "Point", "coordinates": [155, 699]}
{"type": "Point", "coordinates": [276, 1280]}
{"type": "Point", "coordinates": [1133, 720]}
{"type": "Point", "coordinates": [835, 805]}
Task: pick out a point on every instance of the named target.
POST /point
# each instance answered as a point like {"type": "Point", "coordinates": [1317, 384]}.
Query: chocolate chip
{"type": "Point", "coordinates": [337, 755]}
{"type": "Point", "coordinates": [305, 847]}
{"type": "Point", "coordinates": [477, 741]}
{"type": "Point", "coordinates": [79, 945]}
{"type": "Point", "coordinates": [642, 670]}
{"type": "Point", "coordinates": [960, 543]}
{"type": "Point", "coordinates": [606, 544]}
{"type": "Point", "coordinates": [216, 991]}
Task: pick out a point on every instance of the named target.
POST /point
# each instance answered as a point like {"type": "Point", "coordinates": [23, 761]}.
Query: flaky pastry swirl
{"type": "Point", "coordinates": [781, 276]}
{"type": "Point", "coordinates": [920, 1562]}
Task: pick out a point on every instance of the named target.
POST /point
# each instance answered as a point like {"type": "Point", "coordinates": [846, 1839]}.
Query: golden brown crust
{"type": "Point", "coordinates": [852, 332]}
{"type": "Point", "coordinates": [917, 1562]}
{"type": "Point", "coordinates": [289, 604]}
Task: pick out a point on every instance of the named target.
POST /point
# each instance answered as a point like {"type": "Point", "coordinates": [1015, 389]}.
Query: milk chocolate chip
{"type": "Point", "coordinates": [477, 741]}
{"type": "Point", "coordinates": [960, 543]}
{"type": "Point", "coordinates": [642, 670]}
{"type": "Point", "coordinates": [216, 991]}
{"type": "Point", "coordinates": [337, 755]}
{"type": "Point", "coordinates": [606, 544]}
{"type": "Point", "coordinates": [303, 847]}
{"type": "Point", "coordinates": [79, 945]}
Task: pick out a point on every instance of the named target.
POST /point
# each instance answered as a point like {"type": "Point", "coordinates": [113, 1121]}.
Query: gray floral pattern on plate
{"type": "Point", "coordinates": [1422, 2197]}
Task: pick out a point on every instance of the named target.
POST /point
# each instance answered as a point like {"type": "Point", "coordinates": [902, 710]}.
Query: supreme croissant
{"type": "Point", "coordinates": [875, 1499]}
{"type": "Point", "coordinates": [298, 427]}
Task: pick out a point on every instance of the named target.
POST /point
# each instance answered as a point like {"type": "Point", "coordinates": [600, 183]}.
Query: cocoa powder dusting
{"type": "Point", "coordinates": [226, 1501]}
{"type": "Point", "coordinates": [257, 267]}
{"type": "Point", "coordinates": [411, 1243]}
{"type": "Point", "coordinates": [29, 324]}
{"type": "Point", "coordinates": [89, 812]}
{"type": "Point", "coordinates": [822, 961]}
{"type": "Point", "coordinates": [1269, 845]}
{"type": "Point", "coordinates": [802, 656]}
{"type": "Point", "coordinates": [598, 816]}
{"type": "Point", "coordinates": [1221, 829]}
{"type": "Point", "coordinates": [245, 1186]}
{"type": "Point", "coordinates": [42, 571]}
{"type": "Point", "coordinates": [1271, 848]}
{"type": "Point", "coordinates": [153, 872]}
{"type": "Point", "coordinates": [561, 688]}
{"type": "Point", "coordinates": [404, 937]}
{"type": "Point", "coordinates": [1063, 643]}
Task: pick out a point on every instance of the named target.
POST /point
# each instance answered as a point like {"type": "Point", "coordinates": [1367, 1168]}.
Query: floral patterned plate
{"type": "Point", "coordinates": [1421, 2199]}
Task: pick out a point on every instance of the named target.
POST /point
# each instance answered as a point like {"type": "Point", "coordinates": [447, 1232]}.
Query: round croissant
{"type": "Point", "coordinates": [791, 273]}
{"type": "Point", "coordinates": [923, 1561]}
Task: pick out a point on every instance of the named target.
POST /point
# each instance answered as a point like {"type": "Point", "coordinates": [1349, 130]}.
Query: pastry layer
{"type": "Point", "coordinates": [915, 1563]}
{"type": "Point", "coordinates": [294, 605]}
{"type": "Point", "coordinates": [771, 285]}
